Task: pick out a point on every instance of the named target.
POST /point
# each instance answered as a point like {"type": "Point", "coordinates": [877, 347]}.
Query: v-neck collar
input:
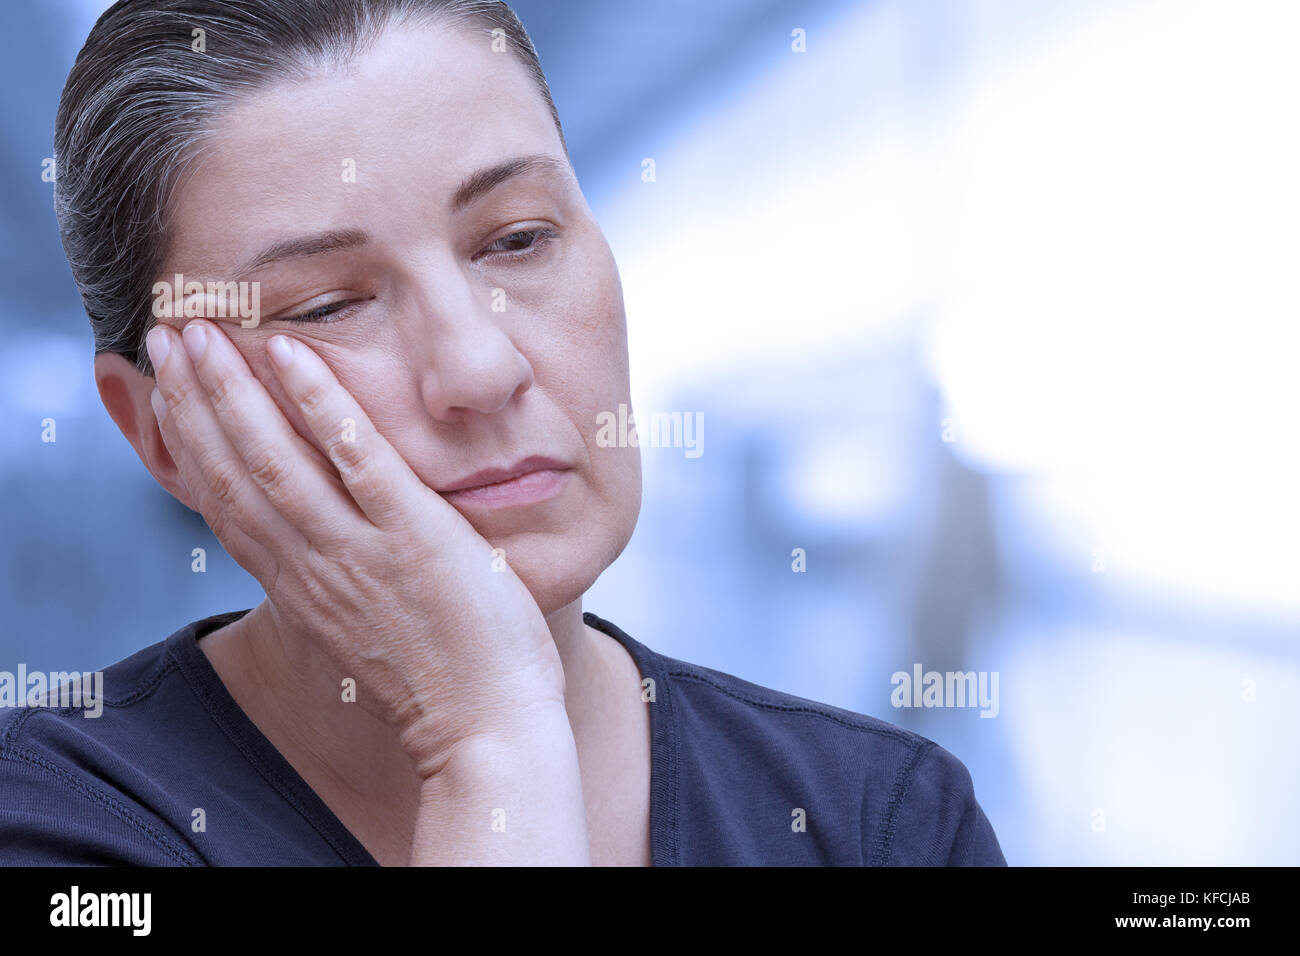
{"type": "Point", "coordinates": [206, 683]}
{"type": "Point", "coordinates": [252, 743]}
{"type": "Point", "coordinates": [664, 847]}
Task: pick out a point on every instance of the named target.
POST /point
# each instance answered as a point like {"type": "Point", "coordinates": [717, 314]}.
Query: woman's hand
{"type": "Point", "coordinates": [358, 555]}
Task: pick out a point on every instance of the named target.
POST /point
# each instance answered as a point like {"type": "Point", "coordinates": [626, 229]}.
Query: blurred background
{"type": "Point", "coordinates": [988, 307]}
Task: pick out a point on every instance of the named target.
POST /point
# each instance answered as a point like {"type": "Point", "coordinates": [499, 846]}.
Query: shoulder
{"type": "Point", "coordinates": [867, 791]}
{"type": "Point", "coordinates": [74, 780]}
{"type": "Point", "coordinates": [912, 801]}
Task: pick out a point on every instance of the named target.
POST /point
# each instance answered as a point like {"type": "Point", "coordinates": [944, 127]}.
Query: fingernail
{"type": "Point", "coordinates": [159, 405]}
{"type": "Point", "coordinates": [281, 351]}
{"type": "Point", "coordinates": [196, 340]}
{"type": "Point", "coordinates": [158, 345]}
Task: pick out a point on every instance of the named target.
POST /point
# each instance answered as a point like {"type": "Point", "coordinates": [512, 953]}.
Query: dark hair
{"type": "Point", "coordinates": [139, 100]}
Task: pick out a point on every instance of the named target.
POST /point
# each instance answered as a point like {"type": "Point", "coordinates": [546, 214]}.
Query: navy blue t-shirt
{"type": "Point", "coordinates": [740, 775]}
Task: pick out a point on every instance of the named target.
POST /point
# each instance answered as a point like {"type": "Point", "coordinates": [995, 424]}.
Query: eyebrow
{"type": "Point", "coordinates": [334, 240]}
{"type": "Point", "coordinates": [483, 181]}
{"type": "Point", "coordinates": [472, 188]}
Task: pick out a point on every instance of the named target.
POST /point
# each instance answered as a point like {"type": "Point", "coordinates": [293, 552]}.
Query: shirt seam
{"type": "Point", "coordinates": [257, 762]}
{"type": "Point", "coordinates": [882, 844]}
{"type": "Point", "coordinates": [665, 836]}
{"type": "Point", "coordinates": [673, 790]}
{"type": "Point", "coordinates": [883, 848]}
{"type": "Point", "coordinates": [118, 809]}
{"type": "Point", "coordinates": [901, 735]}
{"type": "Point", "coordinates": [15, 726]}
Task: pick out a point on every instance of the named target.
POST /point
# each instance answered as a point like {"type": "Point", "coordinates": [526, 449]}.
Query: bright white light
{"type": "Point", "coordinates": [1122, 314]}
{"type": "Point", "coordinates": [783, 220]}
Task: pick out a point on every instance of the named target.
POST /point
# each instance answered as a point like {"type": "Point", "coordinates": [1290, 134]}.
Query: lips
{"type": "Point", "coordinates": [493, 476]}
{"type": "Point", "coordinates": [529, 481]}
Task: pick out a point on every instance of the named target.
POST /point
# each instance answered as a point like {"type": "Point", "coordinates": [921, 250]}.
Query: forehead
{"type": "Point", "coordinates": [410, 118]}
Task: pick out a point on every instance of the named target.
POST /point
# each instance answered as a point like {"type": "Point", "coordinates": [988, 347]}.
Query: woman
{"type": "Point", "coordinates": [351, 305]}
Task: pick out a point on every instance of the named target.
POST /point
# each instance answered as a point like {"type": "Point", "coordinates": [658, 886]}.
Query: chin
{"type": "Point", "coordinates": [559, 568]}
{"type": "Point", "coordinates": [556, 583]}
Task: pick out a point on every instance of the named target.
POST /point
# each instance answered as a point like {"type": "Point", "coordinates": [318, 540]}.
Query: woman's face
{"type": "Point", "coordinates": [469, 346]}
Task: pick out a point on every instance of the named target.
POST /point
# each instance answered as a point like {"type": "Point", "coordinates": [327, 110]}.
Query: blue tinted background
{"type": "Point", "coordinates": [988, 307]}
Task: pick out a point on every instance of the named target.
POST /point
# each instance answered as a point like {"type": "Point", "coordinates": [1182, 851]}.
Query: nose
{"type": "Point", "coordinates": [473, 364]}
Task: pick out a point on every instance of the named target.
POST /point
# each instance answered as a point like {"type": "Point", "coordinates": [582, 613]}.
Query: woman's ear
{"type": "Point", "coordinates": [125, 393]}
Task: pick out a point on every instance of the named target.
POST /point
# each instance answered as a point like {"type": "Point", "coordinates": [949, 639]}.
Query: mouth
{"type": "Point", "coordinates": [529, 481]}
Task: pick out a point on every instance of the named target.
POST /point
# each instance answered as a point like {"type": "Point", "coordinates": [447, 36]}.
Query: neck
{"type": "Point", "coordinates": [288, 688]}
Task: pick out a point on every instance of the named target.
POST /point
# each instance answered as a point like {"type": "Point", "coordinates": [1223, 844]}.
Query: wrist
{"type": "Point", "coordinates": [506, 797]}
{"type": "Point", "coordinates": [488, 751]}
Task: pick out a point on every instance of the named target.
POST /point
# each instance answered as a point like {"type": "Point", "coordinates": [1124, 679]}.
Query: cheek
{"type": "Point", "coordinates": [384, 385]}
{"type": "Point", "coordinates": [596, 293]}
{"type": "Point", "coordinates": [622, 488]}
{"type": "Point", "coordinates": [254, 352]}
{"type": "Point", "coordinates": [612, 519]}
{"type": "Point", "coordinates": [580, 336]}
{"type": "Point", "coordinates": [355, 370]}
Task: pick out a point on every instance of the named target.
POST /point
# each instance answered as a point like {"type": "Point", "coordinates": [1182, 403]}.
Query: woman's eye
{"type": "Point", "coordinates": [522, 244]}
{"type": "Point", "coordinates": [330, 312]}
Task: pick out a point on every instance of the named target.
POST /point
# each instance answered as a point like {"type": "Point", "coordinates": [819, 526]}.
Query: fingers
{"type": "Point", "coordinates": [378, 478]}
{"type": "Point", "coordinates": [237, 544]}
{"type": "Point", "coordinates": [292, 475]}
{"type": "Point", "coordinates": [211, 468]}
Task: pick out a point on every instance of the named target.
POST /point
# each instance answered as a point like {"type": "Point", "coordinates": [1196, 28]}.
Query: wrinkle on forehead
{"type": "Point", "coordinates": [415, 112]}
